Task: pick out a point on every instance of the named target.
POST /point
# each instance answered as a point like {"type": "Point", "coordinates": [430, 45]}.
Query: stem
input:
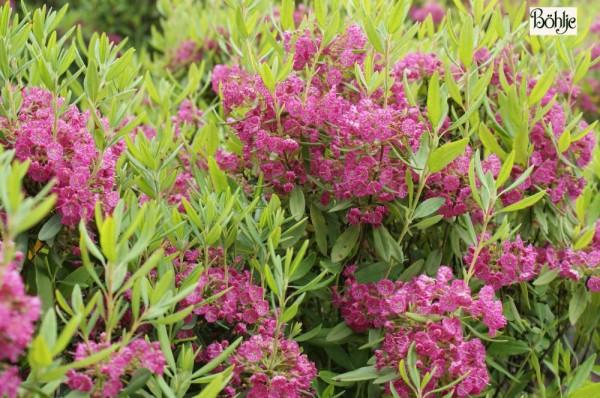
{"type": "Point", "coordinates": [282, 301]}
{"type": "Point", "coordinates": [486, 219]}
{"type": "Point", "coordinates": [311, 73]}
{"type": "Point", "coordinates": [411, 211]}
{"type": "Point", "coordinates": [386, 72]}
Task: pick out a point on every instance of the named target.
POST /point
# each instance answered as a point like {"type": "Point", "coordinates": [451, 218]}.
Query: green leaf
{"type": "Point", "coordinates": [584, 132]}
{"type": "Point", "coordinates": [428, 207]}
{"type": "Point", "coordinates": [360, 374]}
{"type": "Point", "coordinates": [321, 13]}
{"type": "Point", "coordinates": [586, 391]}
{"type": "Point", "coordinates": [39, 354]}
{"type": "Point", "coordinates": [383, 247]}
{"type": "Point", "coordinates": [297, 203]}
{"type": "Point", "coordinates": [137, 382]}
{"type": "Point", "coordinates": [373, 35]}
{"type": "Point", "coordinates": [411, 364]}
{"type": "Point", "coordinates": [267, 76]}
{"type": "Point", "coordinates": [218, 177]}
{"type": "Point", "coordinates": [175, 317]}
{"type": "Point", "coordinates": [240, 23]}
{"type": "Point", "coordinates": [345, 243]}
{"type": "Point", "coordinates": [578, 303]}
{"type": "Point", "coordinates": [220, 358]}
{"type": "Point", "coordinates": [108, 239]}
{"type": "Point", "coordinates": [35, 216]}
{"type": "Point", "coordinates": [292, 310]}
{"type": "Point", "coordinates": [453, 89]}
{"type": "Point", "coordinates": [524, 203]}
{"type": "Point", "coordinates": [428, 222]}
{"type": "Point", "coordinates": [541, 87]}
{"type": "Point", "coordinates": [213, 388]}
{"type": "Point", "coordinates": [339, 333]}
{"type": "Point", "coordinates": [287, 14]}
{"type": "Point", "coordinates": [51, 228]}
{"type": "Point", "coordinates": [270, 279]}
{"type": "Point", "coordinates": [92, 81]}
{"type": "Point", "coordinates": [582, 374]}
{"type": "Point", "coordinates": [506, 169]}
{"type": "Point", "coordinates": [213, 235]}
{"type": "Point", "coordinates": [546, 277]}
{"type": "Point", "coordinates": [582, 66]}
{"type": "Point", "coordinates": [151, 88]}
{"type": "Point", "coordinates": [509, 348]}
{"type": "Point", "coordinates": [397, 16]}
{"type": "Point", "coordinates": [489, 141]}
{"type": "Point", "coordinates": [308, 335]}
{"type": "Point", "coordinates": [434, 111]}
{"type": "Point", "coordinates": [66, 335]}
{"type": "Point", "coordinates": [473, 182]}
{"type": "Point", "coordinates": [466, 46]}
{"type": "Point", "coordinates": [332, 28]}
{"type": "Point", "coordinates": [320, 228]}
{"type": "Point", "coordinates": [521, 143]}
{"type": "Point", "coordinates": [584, 239]}
{"type": "Point", "coordinates": [564, 141]}
{"type": "Point", "coordinates": [445, 154]}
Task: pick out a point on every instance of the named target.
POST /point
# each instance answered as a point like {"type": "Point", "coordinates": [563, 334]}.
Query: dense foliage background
{"type": "Point", "coordinates": [294, 199]}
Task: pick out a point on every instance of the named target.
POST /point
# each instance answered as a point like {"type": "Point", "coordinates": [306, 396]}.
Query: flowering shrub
{"type": "Point", "coordinates": [318, 199]}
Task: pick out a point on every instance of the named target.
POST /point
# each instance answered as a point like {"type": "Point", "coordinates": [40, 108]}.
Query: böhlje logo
{"type": "Point", "coordinates": [554, 21]}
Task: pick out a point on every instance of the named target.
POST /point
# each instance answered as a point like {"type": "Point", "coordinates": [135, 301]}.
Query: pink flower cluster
{"type": "Point", "coordinates": [557, 176]}
{"type": "Point", "coordinates": [107, 379]}
{"type": "Point", "coordinates": [61, 148]}
{"type": "Point", "coordinates": [9, 381]}
{"type": "Point", "coordinates": [274, 368]}
{"type": "Point", "coordinates": [265, 366]}
{"type": "Point", "coordinates": [241, 305]}
{"type": "Point", "coordinates": [188, 51]}
{"type": "Point", "coordinates": [504, 264]}
{"type": "Point", "coordinates": [437, 12]}
{"type": "Point", "coordinates": [452, 184]}
{"type": "Point", "coordinates": [417, 66]}
{"type": "Point", "coordinates": [426, 311]}
{"type": "Point", "coordinates": [573, 264]}
{"type": "Point", "coordinates": [441, 349]}
{"type": "Point", "coordinates": [316, 132]}
{"type": "Point", "coordinates": [18, 314]}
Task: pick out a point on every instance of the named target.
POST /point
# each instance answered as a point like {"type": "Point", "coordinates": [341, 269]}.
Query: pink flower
{"type": "Point", "coordinates": [18, 313]}
{"type": "Point", "coordinates": [502, 265]}
{"type": "Point", "coordinates": [9, 381]}
{"type": "Point", "coordinates": [432, 8]}
{"type": "Point", "coordinates": [105, 377]}
{"type": "Point", "coordinates": [289, 378]}
{"type": "Point", "coordinates": [79, 381]}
